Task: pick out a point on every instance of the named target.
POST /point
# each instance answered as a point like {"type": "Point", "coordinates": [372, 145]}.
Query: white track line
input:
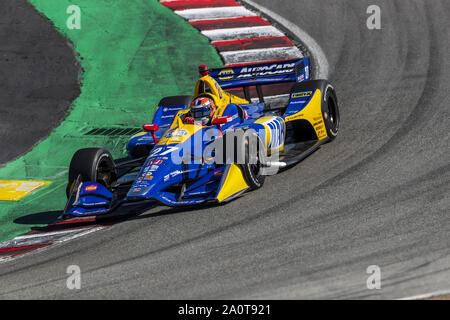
{"type": "Point", "coordinates": [61, 173]}
{"type": "Point", "coordinates": [88, 230]}
{"type": "Point", "coordinates": [57, 236]}
{"type": "Point", "coordinates": [47, 234]}
{"type": "Point", "coordinates": [258, 55]}
{"type": "Point", "coordinates": [61, 240]}
{"type": "Point", "coordinates": [313, 47]}
{"type": "Point", "coordinates": [214, 13]}
{"type": "Point", "coordinates": [242, 33]}
{"type": "Point", "coordinates": [427, 295]}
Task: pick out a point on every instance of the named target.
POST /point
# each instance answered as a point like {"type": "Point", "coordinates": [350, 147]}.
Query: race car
{"type": "Point", "coordinates": [213, 146]}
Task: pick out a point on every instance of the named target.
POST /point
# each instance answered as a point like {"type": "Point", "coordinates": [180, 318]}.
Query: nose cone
{"type": "Point", "coordinates": [164, 170]}
{"type": "Point", "coordinates": [157, 173]}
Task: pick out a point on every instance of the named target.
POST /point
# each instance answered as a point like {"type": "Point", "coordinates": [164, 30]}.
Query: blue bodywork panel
{"type": "Point", "coordinates": [89, 198]}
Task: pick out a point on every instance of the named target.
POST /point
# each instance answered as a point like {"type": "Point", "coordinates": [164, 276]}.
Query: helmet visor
{"type": "Point", "coordinates": [199, 113]}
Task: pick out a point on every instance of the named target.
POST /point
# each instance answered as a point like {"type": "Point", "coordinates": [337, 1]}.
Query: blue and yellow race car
{"type": "Point", "coordinates": [213, 146]}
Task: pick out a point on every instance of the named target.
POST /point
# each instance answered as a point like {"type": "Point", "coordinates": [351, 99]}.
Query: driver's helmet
{"type": "Point", "coordinates": [202, 110]}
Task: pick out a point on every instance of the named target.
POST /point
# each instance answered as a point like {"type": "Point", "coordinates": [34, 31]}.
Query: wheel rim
{"type": "Point", "coordinates": [333, 116]}
{"type": "Point", "coordinates": [255, 167]}
{"type": "Point", "coordinates": [104, 172]}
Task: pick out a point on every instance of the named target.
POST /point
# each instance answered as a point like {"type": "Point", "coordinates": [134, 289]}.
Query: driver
{"type": "Point", "coordinates": [202, 111]}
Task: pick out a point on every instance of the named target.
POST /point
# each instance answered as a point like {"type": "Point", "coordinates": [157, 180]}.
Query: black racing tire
{"type": "Point", "coordinates": [175, 101]}
{"type": "Point", "coordinates": [251, 171]}
{"type": "Point", "coordinates": [330, 108]}
{"type": "Point", "coordinates": [92, 164]}
{"type": "Point", "coordinates": [330, 112]}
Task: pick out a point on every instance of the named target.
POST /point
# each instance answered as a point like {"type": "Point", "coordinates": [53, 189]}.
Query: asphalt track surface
{"type": "Point", "coordinates": [378, 195]}
{"type": "Point", "coordinates": [38, 78]}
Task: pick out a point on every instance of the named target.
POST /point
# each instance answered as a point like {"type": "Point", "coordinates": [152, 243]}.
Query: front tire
{"type": "Point", "coordinates": [92, 164]}
{"type": "Point", "coordinates": [251, 168]}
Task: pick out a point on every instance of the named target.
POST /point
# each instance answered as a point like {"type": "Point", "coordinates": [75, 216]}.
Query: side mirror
{"type": "Point", "coordinates": [150, 127]}
{"type": "Point", "coordinates": [222, 120]}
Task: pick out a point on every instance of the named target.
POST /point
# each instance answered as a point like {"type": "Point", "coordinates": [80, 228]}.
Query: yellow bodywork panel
{"type": "Point", "coordinates": [312, 113]}
{"type": "Point", "coordinates": [14, 190]}
{"type": "Point", "coordinates": [263, 121]}
{"type": "Point", "coordinates": [179, 132]}
{"type": "Point", "coordinates": [139, 134]}
{"type": "Point", "coordinates": [233, 185]}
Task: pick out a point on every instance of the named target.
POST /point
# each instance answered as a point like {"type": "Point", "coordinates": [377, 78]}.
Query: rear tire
{"type": "Point", "coordinates": [92, 164]}
{"type": "Point", "coordinates": [331, 113]}
{"type": "Point", "coordinates": [330, 107]}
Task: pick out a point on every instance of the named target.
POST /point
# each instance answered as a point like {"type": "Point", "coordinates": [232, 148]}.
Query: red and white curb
{"type": "Point", "coordinates": [240, 35]}
{"type": "Point", "coordinates": [320, 67]}
{"type": "Point", "coordinates": [53, 234]}
{"type": "Point", "coordinates": [429, 295]}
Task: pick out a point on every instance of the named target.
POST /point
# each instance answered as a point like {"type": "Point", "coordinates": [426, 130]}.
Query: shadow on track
{"type": "Point", "coordinates": [50, 218]}
{"type": "Point", "coordinates": [46, 217]}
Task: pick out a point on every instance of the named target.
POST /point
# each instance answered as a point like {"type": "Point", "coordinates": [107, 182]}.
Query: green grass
{"type": "Point", "coordinates": [133, 53]}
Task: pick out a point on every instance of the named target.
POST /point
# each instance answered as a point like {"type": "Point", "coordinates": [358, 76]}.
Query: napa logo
{"type": "Point", "coordinates": [301, 94]}
{"type": "Point", "coordinates": [226, 74]}
{"type": "Point", "coordinates": [90, 188]}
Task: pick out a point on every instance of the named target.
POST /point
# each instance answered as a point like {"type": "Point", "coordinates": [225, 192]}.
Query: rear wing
{"type": "Point", "coordinates": [296, 70]}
